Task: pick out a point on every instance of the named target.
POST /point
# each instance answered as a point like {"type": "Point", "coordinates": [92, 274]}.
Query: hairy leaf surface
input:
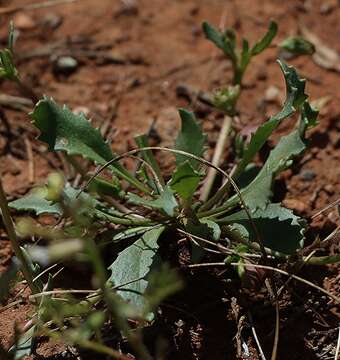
{"type": "Point", "coordinates": [130, 269]}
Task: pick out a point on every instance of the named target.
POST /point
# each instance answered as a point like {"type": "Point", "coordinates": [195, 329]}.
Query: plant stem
{"type": "Point", "coordinates": [100, 348]}
{"type": "Point", "coordinates": [6, 216]}
{"type": "Point", "coordinates": [217, 157]}
{"type": "Point", "coordinates": [113, 302]}
{"type": "Point", "coordinates": [123, 221]}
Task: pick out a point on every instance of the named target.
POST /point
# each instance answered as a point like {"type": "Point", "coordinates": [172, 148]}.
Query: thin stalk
{"type": "Point", "coordinates": [103, 349]}
{"type": "Point", "coordinates": [123, 221]}
{"type": "Point", "coordinates": [298, 278]}
{"type": "Point", "coordinates": [217, 158]}
{"type": "Point", "coordinates": [113, 302]}
{"type": "Point", "coordinates": [6, 216]}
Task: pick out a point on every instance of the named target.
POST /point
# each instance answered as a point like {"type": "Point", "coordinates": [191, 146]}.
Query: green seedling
{"type": "Point", "coordinates": [240, 58]}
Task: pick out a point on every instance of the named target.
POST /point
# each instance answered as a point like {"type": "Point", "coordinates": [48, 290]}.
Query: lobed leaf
{"type": "Point", "coordinates": [62, 130]}
{"type": "Point", "coordinates": [36, 201]}
{"type": "Point", "coordinates": [258, 193]}
{"type": "Point", "coordinates": [278, 227]}
{"type": "Point", "coordinates": [294, 95]}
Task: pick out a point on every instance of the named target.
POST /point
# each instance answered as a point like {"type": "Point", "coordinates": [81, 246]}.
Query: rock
{"type": "Point", "coordinates": [329, 189]}
{"type": "Point", "coordinates": [307, 175]}
{"type": "Point", "coordinates": [129, 8]}
{"type": "Point", "coordinates": [65, 65]}
{"type": "Point", "coordinates": [51, 21]}
{"type": "Point", "coordinates": [81, 110]}
{"type": "Point", "coordinates": [24, 22]}
{"type": "Point", "coordinates": [295, 204]}
{"type": "Point", "coordinates": [272, 94]}
{"type": "Point", "coordinates": [327, 7]}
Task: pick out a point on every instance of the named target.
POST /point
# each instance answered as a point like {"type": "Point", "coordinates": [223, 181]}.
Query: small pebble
{"type": "Point", "coordinates": [52, 21]}
{"type": "Point", "coordinates": [327, 7]}
{"type": "Point", "coordinates": [65, 65]}
{"type": "Point", "coordinates": [24, 22]}
{"type": "Point", "coordinates": [329, 189]}
{"type": "Point", "coordinates": [272, 94]}
{"type": "Point", "coordinates": [308, 175]}
{"type": "Point", "coordinates": [295, 204]}
{"type": "Point", "coordinates": [81, 110]}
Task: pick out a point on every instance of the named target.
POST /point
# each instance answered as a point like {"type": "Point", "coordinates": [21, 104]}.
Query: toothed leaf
{"type": "Point", "coordinates": [62, 130]}
{"type": "Point", "coordinates": [36, 201]}
{"type": "Point", "coordinates": [259, 192]}
{"type": "Point", "coordinates": [278, 227]}
{"type": "Point", "coordinates": [294, 95]}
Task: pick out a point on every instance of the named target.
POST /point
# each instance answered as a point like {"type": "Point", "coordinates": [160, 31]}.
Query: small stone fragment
{"type": "Point", "coordinates": [65, 65]}
{"type": "Point", "coordinates": [295, 204]}
{"type": "Point", "coordinates": [272, 94]}
{"type": "Point", "coordinates": [327, 7]}
{"type": "Point", "coordinates": [307, 175]}
{"type": "Point", "coordinates": [81, 110]}
{"type": "Point", "coordinates": [23, 22]}
{"type": "Point", "coordinates": [51, 21]}
{"type": "Point", "coordinates": [329, 188]}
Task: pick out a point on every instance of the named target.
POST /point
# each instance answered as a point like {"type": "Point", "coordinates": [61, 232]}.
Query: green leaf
{"type": "Point", "coordinates": [36, 202]}
{"type": "Point", "coordinates": [185, 180]}
{"type": "Point", "coordinates": [129, 271]}
{"type": "Point", "coordinates": [215, 230]}
{"type": "Point", "coordinates": [309, 117]}
{"type": "Point", "coordinates": [24, 344]}
{"type": "Point", "coordinates": [279, 229]}
{"type": "Point", "coordinates": [165, 201]}
{"type": "Point", "coordinates": [7, 68]}
{"type": "Point", "coordinates": [224, 41]}
{"type": "Point", "coordinates": [190, 139]}
{"type": "Point", "coordinates": [294, 95]}
{"type": "Point", "coordinates": [266, 40]}
{"type": "Point", "coordinates": [142, 141]}
{"type": "Point", "coordinates": [245, 55]}
{"type": "Point", "coordinates": [213, 35]}
{"type": "Point", "coordinates": [64, 131]}
{"type": "Point", "coordinates": [258, 193]}
{"type": "Point", "coordinates": [297, 45]}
